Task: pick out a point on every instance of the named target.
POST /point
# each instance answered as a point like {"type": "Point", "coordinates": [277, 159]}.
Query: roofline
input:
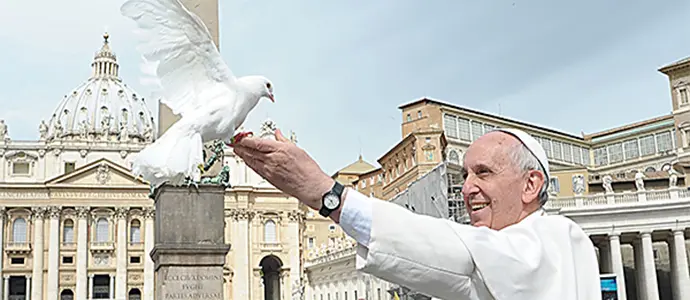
{"type": "Point", "coordinates": [679, 64]}
{"type": "Point", "coordinates": [485, 114]}
{"type": "Point", "coordinates": [408, 136]}
{"type": "Point", "coordinates": [628, 126]}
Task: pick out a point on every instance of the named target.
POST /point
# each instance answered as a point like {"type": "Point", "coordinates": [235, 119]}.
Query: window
{"type": "Point", "coordinates": [476, 130]}
{"type": "Point", "coordinates": [331, 228]}
{"type": "Point", "coordinates": [577, 155]}
{"type": "Point", "coordinates": [270, 231]}
{"type": "Point", "coordinates": [135, 232]}
{"type": "Point", "coordinates": [310, 242]}
{"type": "Point", "coordinates": [69, 167]}
{"type": "Point", "coordinates": [17, 260]}
{"type": "Point", "coordinates": [68, 232]}
{"type": "Point", "coordinates": [631, 148]}
{"type": "Point", "coordinates": [454, 157]}
{"type": "Point", "coordinates": [67, 260]}
{"type": "Point", "coordinates": [568, 152]}
{"type": "Point", "coordinates": [664, 142]}
{"type": "Point", "coordinates": [450, 126]}
{"type": "Point", "coordinates": [600, 156]}
{"type": "Point", "coordinates": [554, 185]}
{"type": "Point", "coordinates": [20, 168]}
{"type": "Point", "coordinates": [19, 234]}
{"type": "Point", "coordinates": [419, 114]}
{"type": "Point", "coordinates": [464, 129]}
{"type": "Point", "coordinates": [615, 153]}
{"type": "Point", "coordinates": [409, 118]}
{"type": "Point", "coordinates": [557, 154]}
{"type": "Point", "coordinates": [683, 96]}
{"type": "Point", "coordinates": [102, 230]}
{"type": "Point", "coordinates": [647, 145]}
{"type": "Point", "coordinates": [135, 259]}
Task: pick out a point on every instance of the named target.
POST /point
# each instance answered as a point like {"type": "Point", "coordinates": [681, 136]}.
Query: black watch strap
{"type": "Point", "coordinates": [336, 190]}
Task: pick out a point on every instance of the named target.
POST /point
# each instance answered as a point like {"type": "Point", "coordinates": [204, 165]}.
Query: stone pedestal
{"type": "Point", "coordinates": [189, 249]}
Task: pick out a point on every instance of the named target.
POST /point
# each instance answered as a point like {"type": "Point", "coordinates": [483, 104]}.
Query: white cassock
{"type": "Point", "coordinates": [541, 257]}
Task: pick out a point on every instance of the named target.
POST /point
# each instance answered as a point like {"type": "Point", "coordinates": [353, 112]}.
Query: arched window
{"type": "Point", "coordinates": [135, 232]}
{"type": "Point", "coordinates": [270, 231]}
{"type": "Point", "coordinates": [19, 231]}
{"type": "Point", "coordinates": [68, 231]}
{"type": "Point", "coordinates": [454, 157]}
{"type": "Point", "coordinates": [102, 230]}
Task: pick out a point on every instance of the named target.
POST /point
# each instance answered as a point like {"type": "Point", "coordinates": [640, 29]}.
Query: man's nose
{"type": "Point", "coordinates": [469, 187]}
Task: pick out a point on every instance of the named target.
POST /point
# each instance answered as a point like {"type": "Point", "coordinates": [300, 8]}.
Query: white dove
{"type": "Point", "coordinates": [196, 83]}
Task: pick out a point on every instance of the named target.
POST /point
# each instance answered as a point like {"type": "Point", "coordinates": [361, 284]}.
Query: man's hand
{"type": "Point", "coordinates": [285, 166]}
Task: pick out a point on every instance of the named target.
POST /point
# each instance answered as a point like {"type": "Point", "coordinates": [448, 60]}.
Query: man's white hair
{"type": "Point", "coordinates": [525, 161]}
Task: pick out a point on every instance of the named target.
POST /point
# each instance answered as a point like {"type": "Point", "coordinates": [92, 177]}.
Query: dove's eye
{"type": "Point", "coordinates": [268, 85]}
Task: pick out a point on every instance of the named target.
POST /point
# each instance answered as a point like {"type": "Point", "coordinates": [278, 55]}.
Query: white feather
{"type": "Point", "coordinates": [184, 66]}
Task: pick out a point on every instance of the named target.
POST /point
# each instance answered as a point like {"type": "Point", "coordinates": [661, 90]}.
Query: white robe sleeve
{"type": "Point", "coordinates": [542, 257]}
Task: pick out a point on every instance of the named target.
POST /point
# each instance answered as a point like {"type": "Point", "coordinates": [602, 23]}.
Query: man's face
{"type": "Point", "coordinates": [494, 186]}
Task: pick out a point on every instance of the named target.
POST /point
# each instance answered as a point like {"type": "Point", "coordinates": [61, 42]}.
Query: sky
{"type": "Point", "coordinates": [341, 68]}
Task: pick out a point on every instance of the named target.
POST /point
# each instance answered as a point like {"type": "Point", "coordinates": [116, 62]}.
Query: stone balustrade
{"type": "Point", "coordinates": [620, 198]}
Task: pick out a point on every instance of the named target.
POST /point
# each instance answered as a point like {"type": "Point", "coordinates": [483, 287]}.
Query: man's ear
{"type": "Point", "coordinates": [535, 181]}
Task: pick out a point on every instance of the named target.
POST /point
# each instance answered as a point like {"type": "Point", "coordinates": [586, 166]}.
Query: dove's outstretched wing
{"type": "Point", "coordinates": [181, 49]}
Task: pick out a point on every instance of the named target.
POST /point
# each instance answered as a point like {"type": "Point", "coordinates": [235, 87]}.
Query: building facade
{"type": "Point", "coordinates": [75, 223]}
{"type": "Point", "coordinates": [625, 186]}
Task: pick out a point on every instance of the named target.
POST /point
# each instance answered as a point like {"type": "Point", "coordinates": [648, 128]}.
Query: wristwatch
{"type": "Point", "coordinates": [330, 201]}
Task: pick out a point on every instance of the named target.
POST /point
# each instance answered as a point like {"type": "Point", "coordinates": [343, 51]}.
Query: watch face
{"type": "Point", "coordinates": [331, 201]}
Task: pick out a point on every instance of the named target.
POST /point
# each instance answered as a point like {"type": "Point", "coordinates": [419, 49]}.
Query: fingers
{"type": "Point", "coordinates": [251, 159]}
{"type": "Point", "coordinates": [257, 144]}
{"type": "Point", "coordinates": [280, 137]}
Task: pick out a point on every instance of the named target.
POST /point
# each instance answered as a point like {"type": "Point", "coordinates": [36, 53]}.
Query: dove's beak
{"type": "Point", "coordinates": [270, 96]}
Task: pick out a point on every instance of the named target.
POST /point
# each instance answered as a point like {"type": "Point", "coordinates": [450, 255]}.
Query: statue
{"type": "Point", "coordinates": [43, 130]}
{"type": "Point", "coordinates": [672, 177]}
{"type": "Point", "coordinates": [148, 133]}
{"type": "Point", "coordinates": [606, 182]}
{"type": "Point", "coordinates": [123, 135]}
{"type": "Point", "coordinates": [639, 181]}
{"type": "Point", "coordinates": [223, 177]}
{"type": "Point", "coordinates": [3, 131]}
{"type": "Point", "coordinates": [105, 126]}
{"type": "Point", "coordinates": [83, 129]}
{"type": "Point", "coordinates": [268, 128]}
{"type": "Point", "coordinates": [57, 130]}
{"type": "Point", "coordinates": [293, 137]}
{"type": "Point", "coordinates": [578, 184]}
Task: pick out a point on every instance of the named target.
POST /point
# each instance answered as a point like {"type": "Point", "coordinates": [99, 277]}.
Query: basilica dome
{"type": "Point", "coordinates": [103, 108]}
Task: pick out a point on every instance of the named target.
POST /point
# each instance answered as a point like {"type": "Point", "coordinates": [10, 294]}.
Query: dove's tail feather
{"type": "Point", "coordinates": [173, 157]}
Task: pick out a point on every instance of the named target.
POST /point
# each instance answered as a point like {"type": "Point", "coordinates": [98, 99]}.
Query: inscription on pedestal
{"type": "Point", "coordinates": [182, 282]}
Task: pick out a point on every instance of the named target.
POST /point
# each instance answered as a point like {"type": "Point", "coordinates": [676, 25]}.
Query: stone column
{"type": "Point", "coordinates": [617, 263]}
{"type": "Point", "coordinates": [189, 250]}
{"type": "Point", "coordinates": [5, 287]}
{"type": "Point", "coordinates": [149, 215]}
{"type": "Point", "coordinates": [649, 267]}
{"type": "Point", "coordinates": [90, 295]}
{"type": "Point", "coordinates": [111, 290]}
{"type": "Point", "coordinates": [294, 220]}
{"type": "Point", "coordinates": [28, 286]}
{"type": "Point", "coordinates": [53, 252]}
{"type": "Point", "coordinates": [680, 278]}
{"type": "Point", "coordinates": [83, 283]}
{"type": "Point", "coordinates": [241, 282]}
{"type": "Point", "coordinates": [37, 272]}
{"type": "Point", "coordinates": [121, 253]}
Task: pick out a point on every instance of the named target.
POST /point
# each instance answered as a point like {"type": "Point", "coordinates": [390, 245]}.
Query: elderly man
{"type": "Point", "coordinates": [512, 250]}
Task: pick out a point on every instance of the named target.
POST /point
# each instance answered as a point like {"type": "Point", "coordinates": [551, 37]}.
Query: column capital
{"type": "Point", "coordinates": [3, 212]}
{"type": "Point", "coordinates": [149, 212]}
{"type": "Point", "coordinates": [82, 211]}
{"type": "Point", "coordinates": [54, 212]}
{"type": "Point", "coordinates": [645, 233]}
{"type": "Point", "coordinates": [121, 212]}
{"type": "Point", "coordinates": [38, 212]}
{"type": "Point", "coordinates": [614, 236]}
{"type": "Point", "coordinates": [678, 231]}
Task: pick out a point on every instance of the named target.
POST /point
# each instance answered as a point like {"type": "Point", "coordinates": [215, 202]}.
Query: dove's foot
{"type": "Point", "coordinates": [191, 183]}
{"type": "Point", "coordinates": [238, 137]}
